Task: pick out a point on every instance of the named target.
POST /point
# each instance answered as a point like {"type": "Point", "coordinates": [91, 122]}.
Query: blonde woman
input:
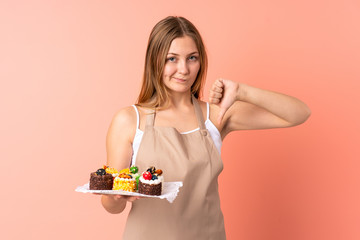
{"type": "Point", "coordinates": [172, 129]}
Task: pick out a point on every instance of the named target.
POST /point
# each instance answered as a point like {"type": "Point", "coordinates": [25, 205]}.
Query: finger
{"type": "Point", "coordinates": [215, 95]}
{"type": "Point", "coordinates": [216, 88]}
{"type": "Point", "coordinates": [219, 83]}
{"type": "Point", "coordinates": [221, 115]}
{"type": "Point", "coordinates": [214, 100]}
{"type": "Point", "coordinates": [132, 199]}
{"type": "Point", "coordinates": [118, 196]}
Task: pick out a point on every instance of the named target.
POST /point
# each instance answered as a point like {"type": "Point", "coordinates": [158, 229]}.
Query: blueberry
{"type": "Point", "coordinates": [101, 172]}
{"type": "Point", "coordinates": [154, 177]}
{"type": "Point", "coordinates": [151, 170]}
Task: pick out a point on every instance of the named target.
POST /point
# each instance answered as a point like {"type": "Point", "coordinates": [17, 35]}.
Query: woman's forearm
{"type": "Point", "coordinates": [112, 204]}
{"type": "Point", "coordinates": [286, 107]}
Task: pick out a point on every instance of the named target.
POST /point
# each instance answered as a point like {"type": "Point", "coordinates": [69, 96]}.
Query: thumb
{"type": "Point", "coordinates": [221, 115]}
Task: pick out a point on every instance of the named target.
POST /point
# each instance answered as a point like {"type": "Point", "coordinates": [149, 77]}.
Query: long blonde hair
{"type": "Point", "coordinates": [153, 92]}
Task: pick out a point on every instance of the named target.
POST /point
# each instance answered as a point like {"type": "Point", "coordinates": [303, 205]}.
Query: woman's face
{"type": "Point", "coordinates": [182, 64]}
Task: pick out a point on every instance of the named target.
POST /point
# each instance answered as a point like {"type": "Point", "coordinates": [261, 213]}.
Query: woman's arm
{"type": "Point", "coordinates": [119, 151]}
{"type": "Point", "coordinates": [243, 107]}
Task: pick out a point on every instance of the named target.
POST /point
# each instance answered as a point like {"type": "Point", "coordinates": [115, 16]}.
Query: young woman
{"type": "Point", "coordinates": [172, 129]}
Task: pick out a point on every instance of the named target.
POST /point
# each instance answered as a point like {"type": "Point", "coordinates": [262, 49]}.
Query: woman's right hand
{"type": "Point", "coordinates": [122, 197]}
{"type": "Point", "coordinates": [116, 197]}
{"type": "Point", "coordinates": [119, 153]}
{"type": "Point", "coordinates": [116, 203]}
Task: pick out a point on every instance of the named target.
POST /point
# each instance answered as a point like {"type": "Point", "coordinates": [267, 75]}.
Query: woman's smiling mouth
{"type": "Point", "coordinates": [180, 80]}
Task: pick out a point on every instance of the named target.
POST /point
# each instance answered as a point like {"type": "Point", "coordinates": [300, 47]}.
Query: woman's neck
{"type": "Point", "coordinates": [179, 100]}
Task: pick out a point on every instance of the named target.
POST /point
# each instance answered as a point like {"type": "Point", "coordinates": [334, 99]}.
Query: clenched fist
{"type": "Point", "coordinates": [224, 93]}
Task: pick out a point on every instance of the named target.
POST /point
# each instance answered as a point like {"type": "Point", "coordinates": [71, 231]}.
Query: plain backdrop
{"type": "Point", "coordinates": [66, 67]}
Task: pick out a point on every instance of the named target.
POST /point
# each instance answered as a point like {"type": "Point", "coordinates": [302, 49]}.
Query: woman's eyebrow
{"type": "Point", "coordinates": [178, 54]}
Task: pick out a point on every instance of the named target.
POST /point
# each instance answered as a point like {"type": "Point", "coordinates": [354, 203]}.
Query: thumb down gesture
{"type": "Point", "coordinates": [223, 93]}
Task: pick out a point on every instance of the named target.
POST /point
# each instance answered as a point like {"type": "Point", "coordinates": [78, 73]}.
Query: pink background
{"type": "Point", "coordinates": [67, 66]}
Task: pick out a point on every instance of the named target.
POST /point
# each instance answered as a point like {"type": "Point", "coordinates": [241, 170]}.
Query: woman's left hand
{"type": "Point", "coordinates": [243, 107]}
{"type": "Point", "coordinates": [224, 93]}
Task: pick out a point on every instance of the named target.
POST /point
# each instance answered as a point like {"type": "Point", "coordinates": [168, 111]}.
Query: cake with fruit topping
{"type": "Point", "coordinates": [150, 183]}
{"type": "Point", "coordinates": [113, 171]}
{"type": "Point", "coordinates": [127, 180]}
{"type": "Point", "coordinates": [101, 180]}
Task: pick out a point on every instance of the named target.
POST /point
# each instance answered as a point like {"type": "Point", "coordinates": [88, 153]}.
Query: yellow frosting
{"type": "Point", "coordinates": [125, 170]}
{"type": "Point", "coordinates": [111, 170]}
{"type": "Point", "coordinates": [124, 184]}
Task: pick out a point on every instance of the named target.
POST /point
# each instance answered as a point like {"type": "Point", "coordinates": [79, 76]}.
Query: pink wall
{"type": "Point", "coordinates": [67, 66]}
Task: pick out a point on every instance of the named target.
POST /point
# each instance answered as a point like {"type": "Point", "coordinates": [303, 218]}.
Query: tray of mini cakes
{"type": "Point", "coordinates": [129, 182]}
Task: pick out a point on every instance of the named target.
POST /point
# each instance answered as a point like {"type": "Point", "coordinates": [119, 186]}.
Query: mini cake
{"type": "Point", "coordinates": [127, 180]}
{"type": "Point", "coordinates": [150, 183]}
{"type": "Point", "coordinates": [112, 171]}
{"type": "Point", "coordinates": [101, 180]}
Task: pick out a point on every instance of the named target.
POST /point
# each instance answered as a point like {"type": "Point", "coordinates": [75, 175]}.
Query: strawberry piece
{"type": "Point", "coordinates": [147, 175]}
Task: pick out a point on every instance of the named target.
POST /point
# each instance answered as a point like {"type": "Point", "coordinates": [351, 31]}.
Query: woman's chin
{"type": "Point", "coordinates": [179, 90]}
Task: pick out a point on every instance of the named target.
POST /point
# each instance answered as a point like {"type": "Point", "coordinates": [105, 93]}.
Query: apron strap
{"type": "Point", "coordinates": [199, 115]}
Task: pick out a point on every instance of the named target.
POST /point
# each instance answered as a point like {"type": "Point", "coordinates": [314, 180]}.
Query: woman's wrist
{"type": "Point", "coordinates": [112, 204]}
{"type": "Point", "coordinates": [241, 92]}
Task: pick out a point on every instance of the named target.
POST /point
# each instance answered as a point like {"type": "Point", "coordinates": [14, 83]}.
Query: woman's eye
{"type": "Point", "coordinates": [193, 58]}
{"type": "Point", "coordinates": [171, 59]}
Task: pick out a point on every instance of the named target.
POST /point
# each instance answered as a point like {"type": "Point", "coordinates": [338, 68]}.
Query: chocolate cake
{"type": "Point", "coordinates": [150, 183]}
{"type": "Point", "coordinates": [150, 189]}
{"type": "Point", "coordinates": [101, 180]}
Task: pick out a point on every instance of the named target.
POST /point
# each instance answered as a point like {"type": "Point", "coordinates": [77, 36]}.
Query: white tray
{"type": "Point", "coordinates": [169, 191]}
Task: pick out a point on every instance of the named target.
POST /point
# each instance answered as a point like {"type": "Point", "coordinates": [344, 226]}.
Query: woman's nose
{"type": "Point", "coordinates": [183, 67]}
